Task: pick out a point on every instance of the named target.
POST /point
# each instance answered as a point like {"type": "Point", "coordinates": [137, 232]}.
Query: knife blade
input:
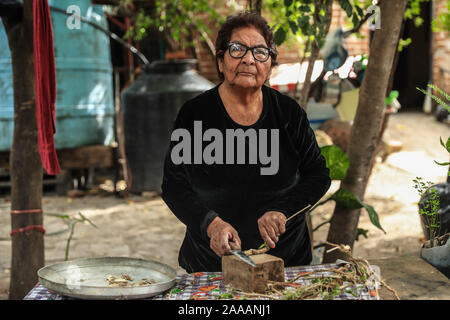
{"type": "Point", "coordinates": [241, 255]}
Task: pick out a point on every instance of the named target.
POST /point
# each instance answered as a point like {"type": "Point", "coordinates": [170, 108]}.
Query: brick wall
{"type": "Point", "coordinates": [206, 59]}
{"type": "Point", "coordinates": [288, 53]}
{"type": "Point", "coordinates": [441, 52]}
{"type": "Point", "coordinates": [355, 46]}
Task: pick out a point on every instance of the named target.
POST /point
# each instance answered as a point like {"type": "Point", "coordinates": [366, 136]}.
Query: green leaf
{"type": "Point", "coordinates": [347, 199]}
{"type": "Point", "coordinates": [63, 216]}
{"type": "Point", "coordinates": [408, 14]}
{"type": "Point", "coordinates": [359, 11]}
{"type": "Point", "coordinates": [304, 8]}
{"type": "Point", "coordinates": [280, 36]}
{"type": "Point", "coordinates": [303, 20]}
{"type": "Point", "coordinates": [373, 216]}
{"type": "Point", "coordinates": [263, 246]}
{"type": "Point", "coordinates": [418, 21]}
{"type": "Point", "coordinates": [173, 291]}
{"type": "Point", "coordinates": [442, 163]}
{"type": "Point", "coordinates": [446, 95]}
{"type": "Point", "coordinates": [347, 7]}
{"type": "Point", "coordinates": [403, 43]}
{"type": "Point", "coordinates": [436, 98]}
{"type": "Point", "coordinates": [287, 3]}
{"type": "Point", "coordinates": [86, 219]}
{"type": "Point", "coordinates": [293, 26]}
{"type": "Point", "coordinates": [337, 161]}
{"type": "Point", "coordinates": [307, 29]}
{"type": "Point", "coordinates": [350, 201]}
{"type": "Point", "coordinates": [226, 296]}
{"type": "Point", "coordinates": [446, 145]}
{"type": "Point", "coordinates": [351, 292]}
{"type": "Point", "coordinates": [361, 232]}
{"type": "Point", "coordinates": [355, 19]}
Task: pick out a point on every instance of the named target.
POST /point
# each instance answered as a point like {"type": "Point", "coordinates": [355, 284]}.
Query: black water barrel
{"type": "Point", "coordinates": [150, 106]}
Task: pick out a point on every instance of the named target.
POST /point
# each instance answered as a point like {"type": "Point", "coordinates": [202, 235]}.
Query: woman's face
{"type": "Point", "coordinates": [245, 72]}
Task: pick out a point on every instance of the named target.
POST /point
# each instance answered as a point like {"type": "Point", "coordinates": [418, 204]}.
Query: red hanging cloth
{"type": "Point", "coordinates": [45, 85]}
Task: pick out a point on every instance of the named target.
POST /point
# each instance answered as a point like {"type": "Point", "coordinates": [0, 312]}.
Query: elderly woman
{"type": "Point", "coordinates": [243, 158]}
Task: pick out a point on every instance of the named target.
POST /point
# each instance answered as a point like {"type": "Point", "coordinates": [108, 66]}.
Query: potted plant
{"type": "Point", "coordinates": [434, 209]}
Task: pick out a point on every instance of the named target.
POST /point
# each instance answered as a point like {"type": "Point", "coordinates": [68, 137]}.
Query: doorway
{"type": "Point", "coordinates": [414, 63]}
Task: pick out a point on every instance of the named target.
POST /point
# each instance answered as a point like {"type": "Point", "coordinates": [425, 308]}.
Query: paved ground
{"type": "Point", "coordinates": [144, 227]}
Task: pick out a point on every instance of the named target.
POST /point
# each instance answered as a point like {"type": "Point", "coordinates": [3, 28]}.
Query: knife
{"type": "Point", "coordinates": [236, 251]}
{"type": "Point", "coordinates": [241, 255]}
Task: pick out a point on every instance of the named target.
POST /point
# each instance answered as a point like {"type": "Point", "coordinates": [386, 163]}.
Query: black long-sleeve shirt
{"type": "Point", "coordinates": [239, 193]}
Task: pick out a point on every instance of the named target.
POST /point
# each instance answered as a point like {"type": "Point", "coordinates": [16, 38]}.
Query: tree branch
{"type": "Point", "coordinates": [356, 29]}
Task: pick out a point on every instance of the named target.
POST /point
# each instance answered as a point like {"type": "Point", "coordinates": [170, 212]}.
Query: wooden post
{"type": "Point", "coordinates": [25, 163]}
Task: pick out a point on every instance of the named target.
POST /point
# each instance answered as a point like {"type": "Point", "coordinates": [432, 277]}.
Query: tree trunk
{"type": "Point", "coordinates": [315, 51]}
{"type": "Point", "coordinates": [386, 116]}
{"type": "Point", "coordinates": [25, 163]}
{"type": "Point", "coordinates": [256, 6]}
{"type": "Point", "coordinates": [367, 123]}
{"type": "Point", "coordinates": [304, 95]}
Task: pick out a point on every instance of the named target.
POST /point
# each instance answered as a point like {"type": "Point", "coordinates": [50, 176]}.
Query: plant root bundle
{"type": "Point", "coordinates": [355, 274]}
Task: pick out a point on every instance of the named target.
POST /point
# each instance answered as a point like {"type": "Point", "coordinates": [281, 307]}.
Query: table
{"type": "Point", "coordinates": [413, 278]}
{"type": "Point", "coordinates": [209, 286]}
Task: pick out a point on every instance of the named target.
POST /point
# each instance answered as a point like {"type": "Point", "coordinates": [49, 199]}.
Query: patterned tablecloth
{"type": "Point", "coordinates": [209, 286]}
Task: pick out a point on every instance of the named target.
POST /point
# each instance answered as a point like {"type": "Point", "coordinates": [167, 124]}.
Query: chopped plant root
{"type": "Point", "coordinates": [252, 252]}
{"type": "Point", "coordinates": [326, 283]}
{"type": "Point", "coordinates": [125, 281]}
{"type": "Point", "coordinates": [127, 277]}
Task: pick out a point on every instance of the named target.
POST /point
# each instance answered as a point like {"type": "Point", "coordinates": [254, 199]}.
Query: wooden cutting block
{"type": "Point", "coordinates": [241, 275]}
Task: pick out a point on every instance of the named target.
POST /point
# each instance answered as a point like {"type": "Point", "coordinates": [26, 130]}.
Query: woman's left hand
{"type": "Point", "coordinates": [271, 225]}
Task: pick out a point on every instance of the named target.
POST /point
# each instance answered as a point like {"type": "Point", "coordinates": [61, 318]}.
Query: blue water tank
{"type": "Point", "coordinates": [84, 89]}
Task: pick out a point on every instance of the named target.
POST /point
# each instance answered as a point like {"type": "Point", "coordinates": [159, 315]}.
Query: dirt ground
{"type": "Point", "coordinates": [143, 226]}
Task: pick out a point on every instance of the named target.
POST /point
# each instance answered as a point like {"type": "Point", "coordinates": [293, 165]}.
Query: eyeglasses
{"type": "Point", "coordinates": [238, 50]}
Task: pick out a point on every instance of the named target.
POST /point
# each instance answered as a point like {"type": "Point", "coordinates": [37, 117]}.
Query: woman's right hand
{"type": "Point", "coordinates": [223, 237]}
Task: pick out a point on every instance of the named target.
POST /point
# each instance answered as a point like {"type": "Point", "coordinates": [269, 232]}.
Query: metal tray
{"type": "Point", "coordinates": [86, 278]}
